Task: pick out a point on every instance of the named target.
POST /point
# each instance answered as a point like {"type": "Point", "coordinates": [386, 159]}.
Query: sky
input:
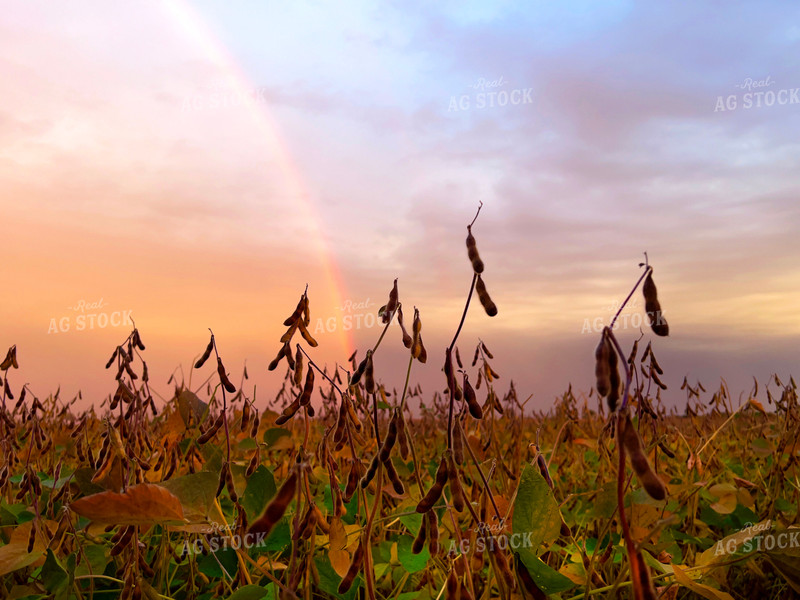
{"type": "Point", "coordinates": [195, 165]}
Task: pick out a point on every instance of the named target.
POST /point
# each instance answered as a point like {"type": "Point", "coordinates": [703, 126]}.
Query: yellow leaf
{"type": "Point", "coordinates": [340, 558]}
{"type": "Point", "coordinates": [706, 591]}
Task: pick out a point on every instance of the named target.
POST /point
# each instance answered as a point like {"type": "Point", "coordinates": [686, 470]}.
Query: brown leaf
{"type": "Point", "coordinates": [142, 504]}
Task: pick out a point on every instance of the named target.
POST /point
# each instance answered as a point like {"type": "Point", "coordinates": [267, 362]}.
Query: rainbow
{"type": "Point", "coordinates": [193, 27]}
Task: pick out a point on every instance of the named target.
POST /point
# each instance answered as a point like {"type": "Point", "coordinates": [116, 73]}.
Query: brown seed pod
{"type": "Point", "coordinates": [371, 470]}
{"type": "Point", "coordinates": [394, 478]}
{"type": "Point", "coordinates": [486, 301]}
{"type": "Point", "coordinates": [245, 416]}
{"type": "Point", "coordinates": [302, 306]}
{"type": "Point", "coordinates": [223, 377]}
{"type": "Point", "coordinates": [306, 335]}
{"type": "Point", "coordinates": [650, 481]}
{"type": "Point", "coordinates": [419, 541]}
{"type": "Point", "coordinates": [389, 440]}
{"type": "Point", "coordinates": [407, 339]}
{"type": "Point", "coordinates": [256, 424]}
{"type": "Point", "coordinates": [402, 436]}
{"type": "Point", "coordinates": [276, 507]}
{"type": "Point", "coordinates": [452, 586]}
{"type": "Point", "coordinates": [472, 252]}
{"type": "Point", "coordinates": [308, 388]}
{"type": "Point", "coordinates": [369, 374]}
{"type": "Point", "coordinates": [634, 350]}
{"type": "Point", "coordinates": [456, 491]}
{"type": "Point", "coordinates": [298, 369]}
{"type": "Point", "coordinates": [423, 354]}
{"type": "Point", "coordinates": [433, 532]}
{"type": "Point", "coordinates": [359, 372]}
{"type": "Point", "coordinates": [391, 306]}
{"type": "Point", "coordinates": [352, 571]}
{"type": "Point", "coordinates": [501, 565]}
{"type": "Point", "coordinates": [602, 369]}
{"type": "Point", "coordinates": [229, 484]}
{"type": "Point", "coordinates": [458, 443]}
{"type": "Point", "coordinates": [472, 400]}
{"type": "Point", "coordinates": [653, 307]}
{"type": "Point", "coordinates": [477, 354]}
{"type": "Point", "coordinates": [221, 482]}
{"type": "Point", "coordinates": [526, 581]}
{"type": "Point", "coordinates": [613, 378]}
{"type": "Point", "coordinates": [352, 480]}
{"type": "Point", "coordinates": [254, 462]}
{"type": "Point", "coordinates": [486, 351]}
{"type": "Point", "coordinates": [435, 492]}
{"type": "Point", "coordinates": [113, 356]}
{"type": "Point", "coordinates": [281, 353]}
{"type": "Point", "coordinates": [201, 361]}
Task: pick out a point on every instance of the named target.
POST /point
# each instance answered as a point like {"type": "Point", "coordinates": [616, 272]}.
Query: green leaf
{"type": "Point", "coordinates": [259, 491]}
{"type": "Point", "coordinates": [213, 564]}
{"type": "Point", "coordinates": [96, 558]}
{"type": "Point", "coordinates": [535, 510]}
{"type": "Point", "coordinates": [411, 562]}
{"type": "Point", "coordinates": [272, 435]}
{"type": "Point", "coordinates": [195, 491]}
{"type": "Point", "coordinates": [249, 592]}
{"type": "Point", "coordinates": [547, 579]}
{"type": "Point", "coordinates": [54, 577]}
{"type": "Point", "coordinates": [329, 580]}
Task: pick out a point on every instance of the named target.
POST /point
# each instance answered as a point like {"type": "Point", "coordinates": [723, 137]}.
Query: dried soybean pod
{"type": "Point", "coordinates": [407, 340]}
{"type": "Point", "coordinates": [275, 361]}
{"type": "Point", "coordinates": [613, 378]}
{"type": "Point", "coordinates": [371, 470]}
{"type": "Point", "coordinates": [448, 371]}
{"type": "Point", "coordinates": [653, 307]}
{"type": "Point", "coordinates": [423, 354]}
{"type": "Point", "coordinates": [245, 416]}
{"type": "Point", "coordinates": [602, 370]}
{"type": "Point", "coordinates": [308, 388]}
{"type": "Point", "coordinates": [352, 480]}
{"type": "Point", "coordinates": [419, 541]}
{"type": "Point", "coordinates": [256, 424]}
{"type": "Point", "coordinates": [389, 440]}
{"type": "Point", "coordinates": [472, 399]}
{"type": "Point", "coordinates": [113, 356]}
{"type": "Point", "coordinates": [451, 586]}
{"type": "Point", "coordinates": [472, 251]}
{"type": "Point", "coordinates": [276, 507]}
{"type": "Point", "coordinates": [254, 462]}
{"type": "Point", "coordinates": [394, 478]}
{"type": "Point", "coordinates": [433, 532]}
{"type": "Point", "coordinates": [206, 353]}
{"type": "Point", "coordinates": [486, 301]}
{"type": "Point", "coordinates": [298, 369]}
{"type": "Point", "coordinates": [458, 443]}
{"type": "Point", "coordinates": [306, 335]}
{"type": "Point", "coordinates": [402, 435]}
{"type": "Point", "coordinates": [229, 484]}
{"type": "Point", "coordinates": [634, 350]}
{"type": "Point", "coordinates": [223, 377]}
{"type": "Point", "coordinates": [458, 359]}
{"type": "Point", "coordinates": [369, 374]}
{"type": "Point", "coordinates": [391, 306]}
{"type": "Point", "coordinates": [352, 571]}
{"type": "Point", "coordinates": [486, 350]}
{"type": "Point", "coordinates": [633, 444]}
{"type": "Point", "coordinates": [501, 564]}
{"type": "Point", "coordinates": [477, 354]}
{"type": "Point", "coordinates": [416, 328]}
{"type": "Point", "coordinates": [435, 492]}
{"type": "Point", "coordinates": [287, 352]}
{"type": "Point", "coordinates": [362, 366]}
{"type": "Point", "coordinates": [298, 311]}
{"type": "Point", "coordinates": [456, 491]}
{"type": "Point", "coordinates": [221, 481]}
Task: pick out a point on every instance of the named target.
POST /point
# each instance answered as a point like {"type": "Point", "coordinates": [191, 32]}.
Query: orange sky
{"type": "Point", "coordinates": [134, 173]}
